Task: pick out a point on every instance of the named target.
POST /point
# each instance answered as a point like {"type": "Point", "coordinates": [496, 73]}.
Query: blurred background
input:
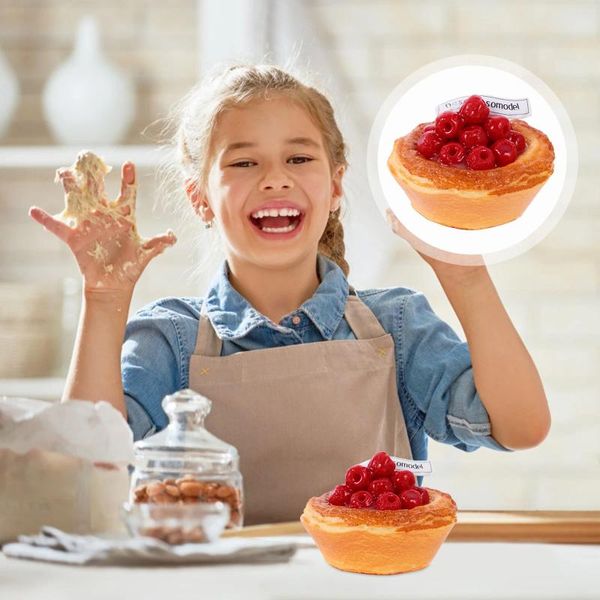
{"type": "Point", "coordinates": [139, 57]}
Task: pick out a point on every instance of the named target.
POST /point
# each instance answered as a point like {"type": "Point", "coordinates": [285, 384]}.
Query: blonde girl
{"type": "Point", "coordinates": [306, 374]}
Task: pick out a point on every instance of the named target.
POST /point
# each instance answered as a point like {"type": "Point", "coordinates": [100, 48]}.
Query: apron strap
{"type": "Point", "coordinates": [208, 343]}
{"type": "Point", "coordinates": [361, 319]}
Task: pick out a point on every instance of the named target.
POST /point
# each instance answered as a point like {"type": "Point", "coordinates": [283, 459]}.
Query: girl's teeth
{"type": "Point", "coordinates": [280, 229]}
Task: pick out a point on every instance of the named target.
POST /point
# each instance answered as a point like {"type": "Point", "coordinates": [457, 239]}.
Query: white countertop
{"type": "Point", "coordinates": [461, 571]}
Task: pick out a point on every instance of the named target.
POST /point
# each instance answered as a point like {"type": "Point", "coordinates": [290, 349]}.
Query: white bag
{"type": "Point", "coordinates": [63, 465]}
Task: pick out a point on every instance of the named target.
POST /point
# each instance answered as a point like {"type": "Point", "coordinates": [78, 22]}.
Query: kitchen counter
{"type": "Point", "coordinates": [481, 569]}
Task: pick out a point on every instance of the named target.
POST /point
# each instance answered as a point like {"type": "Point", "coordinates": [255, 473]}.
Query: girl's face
{"type": "Point", "coordinates": [270, 185]}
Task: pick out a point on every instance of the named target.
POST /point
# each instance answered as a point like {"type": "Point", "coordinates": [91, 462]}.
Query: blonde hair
{"type": "Point", "coordinates": [195, 117]}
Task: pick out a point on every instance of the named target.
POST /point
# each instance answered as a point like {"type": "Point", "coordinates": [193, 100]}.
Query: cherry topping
{"type": "Point", "coordinates": [380, 486]}
{"type": "Point", "coordinates": [429, 143]}
{"type": "Point", "coordinates": [361, 499]}
{"type": "Point", "coordinates": [424, 494]}
{"type": "Point", "coordinates": [388, 501]}
{"type": "Point", "coordinates": [429, 127]}
{"type": "Point", "coordinates": [497, 127]}
{"type": "Point", "coordinates": [340, 495]}
{"type": "Point", "coordinates": [448, 125]}
{"type": "Point", "coordinates": [403, 480]}
{"type": "Point", "coordinates": [505, 152]}
{"type": "Point", "coordinates": [452, 153]}
{"type": "Point", "coordinates": [474, 110]}
{"type": "Point", "coordinates": [358, 478]}
{"type": "Point", "coordinates": [410, 498]}
{"type": "Point", "coordinates": [481, 157]}
{"type": "Point", "coordinates": [471, 136]}
{"type": "Point", "coordinates": [381, 465]}
{"type": "Point", "coordinates": [517, 139]}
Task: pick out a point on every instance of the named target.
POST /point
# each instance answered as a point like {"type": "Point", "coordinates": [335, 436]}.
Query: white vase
{"type": "Point", "coordinates": [9, 94]}
{"type": "Point", "coordinates": [87, 100]}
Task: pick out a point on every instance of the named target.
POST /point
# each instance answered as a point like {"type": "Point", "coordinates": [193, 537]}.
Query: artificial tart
{"type": "Point", "coordinates": [472, 170]}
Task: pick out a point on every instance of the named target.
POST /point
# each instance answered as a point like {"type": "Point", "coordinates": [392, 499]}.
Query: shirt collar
{"type": "Point", "coordinates": [233, 316]}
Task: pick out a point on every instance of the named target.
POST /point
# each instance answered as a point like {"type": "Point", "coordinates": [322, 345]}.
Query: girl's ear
{"type": "Point", "coordinates": [337, 190]}
{"type": "Point", "coordinates": [199, 201]}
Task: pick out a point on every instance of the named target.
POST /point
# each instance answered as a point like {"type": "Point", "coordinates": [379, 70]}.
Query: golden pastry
{"type": "Point", "coordinates": [376, 530]}
{"type": "Point", "coordinates": [471, 179]}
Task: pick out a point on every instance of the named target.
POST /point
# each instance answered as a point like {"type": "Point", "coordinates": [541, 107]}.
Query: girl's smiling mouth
{"type": "Point", "coordinates": [277, 220]}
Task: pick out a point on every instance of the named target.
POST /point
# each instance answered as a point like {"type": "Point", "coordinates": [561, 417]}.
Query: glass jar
{"type": "Point", "coordinates": [185, 464]}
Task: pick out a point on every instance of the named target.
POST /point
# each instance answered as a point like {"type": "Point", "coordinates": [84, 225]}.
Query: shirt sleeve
{"type": "Point", "coordinates": [150, 368]}
{"type": "Point", "coordinates": [438, 377]}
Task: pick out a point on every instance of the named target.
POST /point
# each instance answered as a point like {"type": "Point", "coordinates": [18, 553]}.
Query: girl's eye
{"type": "Point", "coordinates": [298, 160]}
{"type": "Point", "coordinates": [243, 163]}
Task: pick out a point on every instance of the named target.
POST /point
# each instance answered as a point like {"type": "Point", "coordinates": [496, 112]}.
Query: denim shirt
{"type": "Point", "coordinates": [433, 366]}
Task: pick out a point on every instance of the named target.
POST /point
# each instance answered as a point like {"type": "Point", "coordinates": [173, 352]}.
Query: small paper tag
{"type": "Point", "coordinates": [419, 467]}
{"type": "Point", "coordinates": [508, 107]}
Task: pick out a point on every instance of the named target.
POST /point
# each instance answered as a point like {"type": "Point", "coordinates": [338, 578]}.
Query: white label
{"type": "Point", "coordinates": [418, 467]}
{"type": "Point", "coordinates": [508, 107]}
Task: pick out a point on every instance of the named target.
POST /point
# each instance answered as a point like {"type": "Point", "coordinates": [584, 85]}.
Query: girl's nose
{"type": "Point", "coordinates": [276, 179]}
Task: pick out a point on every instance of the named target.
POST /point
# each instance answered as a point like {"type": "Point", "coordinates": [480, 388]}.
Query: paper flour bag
{"type": "Point", "coordinates": [63, 465]}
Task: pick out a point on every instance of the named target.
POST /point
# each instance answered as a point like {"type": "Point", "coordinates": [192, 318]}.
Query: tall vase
{"type": "Point", "coordinates": [87, 100]}
{"type": "Point", "coordinates": [9, 94]}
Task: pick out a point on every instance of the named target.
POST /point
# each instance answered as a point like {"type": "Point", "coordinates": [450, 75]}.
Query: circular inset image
{"type": "Point", "coordinates": [467, 185]}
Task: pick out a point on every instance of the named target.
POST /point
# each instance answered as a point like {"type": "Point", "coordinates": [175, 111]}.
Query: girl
{"type": "Point", "coordinates": [307, 375]}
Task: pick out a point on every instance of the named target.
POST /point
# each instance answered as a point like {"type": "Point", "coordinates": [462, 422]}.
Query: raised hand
{"type": "Point", "coordinates": [102, 234]}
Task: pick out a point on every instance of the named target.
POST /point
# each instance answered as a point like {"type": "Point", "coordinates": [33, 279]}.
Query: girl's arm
{"type": "Point", "coordinates": [505, 376]}
{"type": "Point", "coordinates": [111, 257]}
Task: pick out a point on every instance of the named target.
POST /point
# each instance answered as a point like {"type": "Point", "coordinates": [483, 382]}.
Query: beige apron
{"type": "Point", "coordinates": [300, 415]}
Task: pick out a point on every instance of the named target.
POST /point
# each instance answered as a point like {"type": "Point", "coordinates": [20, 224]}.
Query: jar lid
{"type": "Point", "coordinates": [185, 437]}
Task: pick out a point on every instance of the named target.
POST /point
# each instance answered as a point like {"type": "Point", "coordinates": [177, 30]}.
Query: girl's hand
{"type": "Point", "coordinates": [109, 252]}
{"type": "Point", "coordinates": [455, 266]}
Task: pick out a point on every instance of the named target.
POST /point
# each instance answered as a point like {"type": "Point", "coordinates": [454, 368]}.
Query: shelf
{"type": "Point", "coordinates": [33, 157]}
{"type": "Point", "coordinates": [40, 388]}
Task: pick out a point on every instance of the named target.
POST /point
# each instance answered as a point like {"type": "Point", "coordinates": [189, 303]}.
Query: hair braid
{"type": "Point", "coordinates": [332, 244]}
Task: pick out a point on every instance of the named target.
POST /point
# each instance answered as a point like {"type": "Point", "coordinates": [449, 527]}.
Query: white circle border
{"type": "Point", "coordinates": [571, 162]}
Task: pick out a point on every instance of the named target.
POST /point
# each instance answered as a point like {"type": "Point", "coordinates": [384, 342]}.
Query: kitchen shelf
{"type": "Point", "coordinates": [32, 157]}
{"type": "Point", "coordinates": [40, 388]}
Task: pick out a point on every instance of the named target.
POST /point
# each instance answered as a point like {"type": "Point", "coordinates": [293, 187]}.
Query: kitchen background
{"type": "Point", "coordinates": [360, 50]}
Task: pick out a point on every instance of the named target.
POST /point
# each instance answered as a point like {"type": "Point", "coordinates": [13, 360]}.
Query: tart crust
{"type": "Point", "coordinates": [468, 199]}
{"type": "Point", "coordinates": [380, 542]}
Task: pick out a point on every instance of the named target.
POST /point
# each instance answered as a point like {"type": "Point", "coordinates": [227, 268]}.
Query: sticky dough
{"type": "Point", "coordinates": [87, 202]}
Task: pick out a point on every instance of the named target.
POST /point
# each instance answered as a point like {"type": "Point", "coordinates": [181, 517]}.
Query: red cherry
{"type": "Point", "coordinates": [380, 486]}
{"type": "Point", "coordinates": [340, 495]}
{"type": "Point", "coordinates": [429, 143]}
{"type": "Point", "coordinates": [388, 501]}
{"type": "Point", "coordinates": [448, 125]}
{"type": "Point", "coordinates": [429, 127]}
{"type": "Point", "coordinates": [517, 139]}
{"type": "Point", "coordinates": [472, 136]}
{"type": "Point", "coordinates": [480, 157]}
{"type": "Point", "coordinates": [452, 153]}
{"type": "Point", "coordinates": [410, 498]}
{"type": "Point", "coordinates": [361, 499]}
{"type": "Point", "coordinates": [403, 480]}
{"type": "Point", "coordinates": [474, 110]}
{"type": "Point", "coordinates": [497, 127]}
{"type": "Point", "coordinates": [358, 478]}
{"type": "Point", "coordinates": [504, 151]}
{"type": "Point", "coordinates": [381, 465]}
{"type": "Point", "coordinates": [424, 494]}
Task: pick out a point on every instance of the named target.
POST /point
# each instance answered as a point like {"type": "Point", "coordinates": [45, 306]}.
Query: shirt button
{"type": "Point", "coordinates": [296, 319]}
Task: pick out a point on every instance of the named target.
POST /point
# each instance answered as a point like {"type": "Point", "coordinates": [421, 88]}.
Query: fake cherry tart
{"type": "Point", "coordinates": [472, 169]}
{"type": "Point", "coordinates": [379, 521]}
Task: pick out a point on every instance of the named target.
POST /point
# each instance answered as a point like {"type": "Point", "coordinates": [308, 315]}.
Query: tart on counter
{"type": "Point", "coordinates": [379, 522]}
